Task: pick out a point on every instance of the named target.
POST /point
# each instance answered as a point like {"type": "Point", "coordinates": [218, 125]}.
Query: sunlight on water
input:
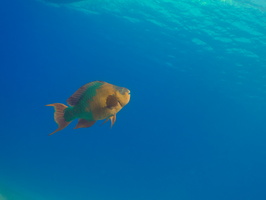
{"type": "Point", "coordinates": [231, 24]}
{"type": "Point", "coordinates": [229, 31]}
{"type": "Point", "coordinates": [260, 4]}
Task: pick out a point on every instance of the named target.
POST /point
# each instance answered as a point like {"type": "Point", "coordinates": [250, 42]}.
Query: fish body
{"type": "Point", "coordinates": [93, 101]}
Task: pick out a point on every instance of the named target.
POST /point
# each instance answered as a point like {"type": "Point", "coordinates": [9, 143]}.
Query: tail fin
{"type": "Point", "coordinates": [59, 116]}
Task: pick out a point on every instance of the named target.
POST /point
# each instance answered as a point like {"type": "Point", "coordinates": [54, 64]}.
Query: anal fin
{"type": "Point", "coordinates": [83, 123]}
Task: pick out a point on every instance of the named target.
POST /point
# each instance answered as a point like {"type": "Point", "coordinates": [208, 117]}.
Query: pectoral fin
{"type": "Point", "coordinates": [83, 123]}
{"type": "Point", "coordinates": [112, 119]}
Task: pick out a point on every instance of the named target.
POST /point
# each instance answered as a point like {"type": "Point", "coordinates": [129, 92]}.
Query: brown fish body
{"type": "Point", "coordinates": [107, 102]}
{"type": "Point", "coordinates": [94, 101]}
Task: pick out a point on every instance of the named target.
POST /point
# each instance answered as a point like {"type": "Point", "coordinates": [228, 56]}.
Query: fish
{"type": "Point", "coordinates": [97, 100]}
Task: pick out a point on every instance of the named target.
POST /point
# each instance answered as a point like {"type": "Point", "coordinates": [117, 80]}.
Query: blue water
{"type": "Point", "coordinates": [194, 128]}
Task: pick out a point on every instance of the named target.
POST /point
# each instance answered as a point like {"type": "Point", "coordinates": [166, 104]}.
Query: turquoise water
{"type": "Point", "coordinates": [194, 128]}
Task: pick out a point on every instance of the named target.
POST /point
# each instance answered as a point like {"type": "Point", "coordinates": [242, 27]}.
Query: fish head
{"type": "Point", "coordinates": [123, 95]}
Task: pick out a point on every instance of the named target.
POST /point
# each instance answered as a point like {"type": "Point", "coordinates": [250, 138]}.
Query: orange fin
{"type": "Point", "coordinates": [112, 119]}
{"type": "Point", "coordinates": [59, 116]}
{"type": "Point", "coordinates": [83, 123]}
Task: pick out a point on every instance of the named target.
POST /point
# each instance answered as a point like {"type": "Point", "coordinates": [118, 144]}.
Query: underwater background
{"type": "Point", "coordinates": [194, 128]}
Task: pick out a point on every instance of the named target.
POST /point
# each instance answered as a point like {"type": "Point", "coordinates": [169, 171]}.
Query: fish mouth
{"type": "Point", "coordinates": [120, 104]}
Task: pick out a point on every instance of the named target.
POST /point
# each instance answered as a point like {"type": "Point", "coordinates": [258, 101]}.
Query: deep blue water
{"type": "Point", "coordinates": [194, 128]}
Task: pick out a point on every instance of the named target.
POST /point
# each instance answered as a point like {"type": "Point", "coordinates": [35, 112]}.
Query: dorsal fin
{"type": "Point", "coordinates": [74, 99]}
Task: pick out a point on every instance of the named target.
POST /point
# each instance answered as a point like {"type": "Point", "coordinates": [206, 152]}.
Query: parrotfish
{"type": "Point", "coordinates": [93, 101]}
